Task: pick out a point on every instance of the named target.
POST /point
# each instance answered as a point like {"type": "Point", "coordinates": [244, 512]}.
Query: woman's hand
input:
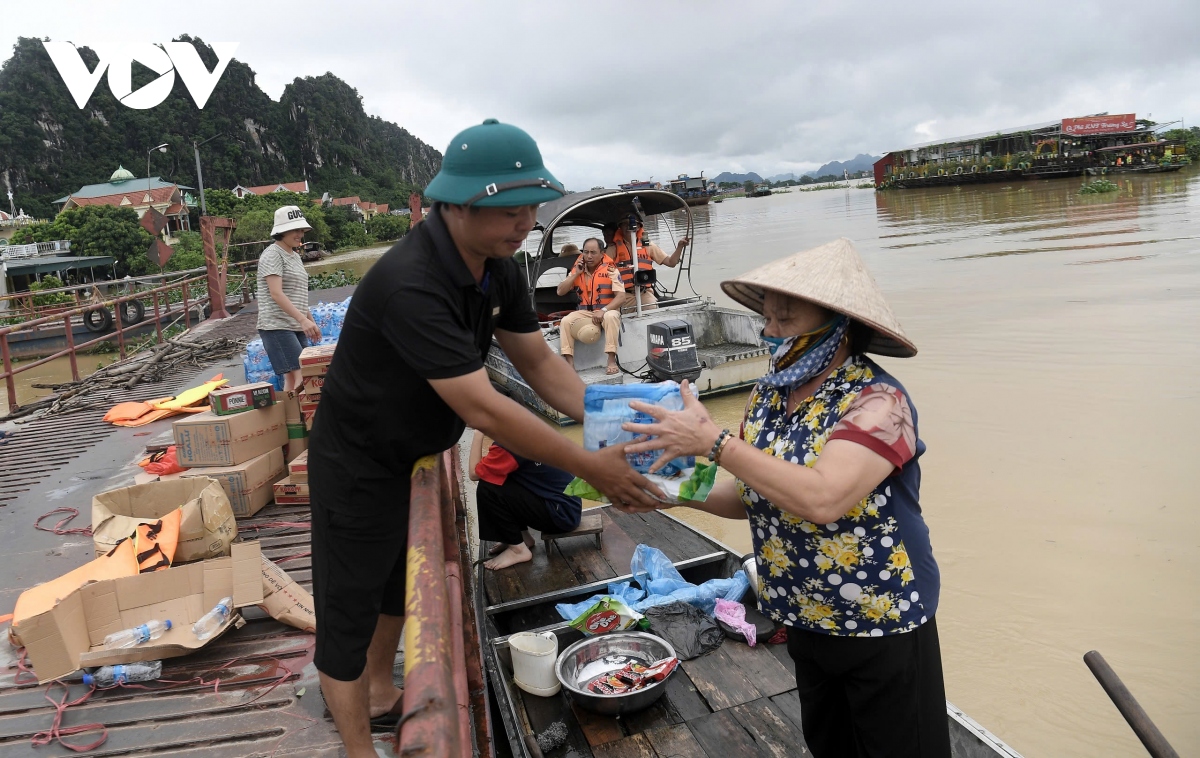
{"type": "Point", "coordinates": [610, 473]}
{"type": "Point", "coordinates": [690, 431]}
{"type": "Point", "coordinates": [311, 330]}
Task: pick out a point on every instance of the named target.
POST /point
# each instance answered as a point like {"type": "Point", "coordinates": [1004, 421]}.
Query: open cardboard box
{"type": "Point", "coordinates": [70, 635]}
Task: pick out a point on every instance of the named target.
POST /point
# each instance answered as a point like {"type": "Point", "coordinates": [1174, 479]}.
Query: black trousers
{"type": "Point", "coordinates": [872, 697]}
{"type": "Point", "coordinates": [506, 510]}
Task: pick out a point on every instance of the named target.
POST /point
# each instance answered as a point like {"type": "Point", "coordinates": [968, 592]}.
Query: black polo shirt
{"type": "Point", "coordinates": [417, 315]}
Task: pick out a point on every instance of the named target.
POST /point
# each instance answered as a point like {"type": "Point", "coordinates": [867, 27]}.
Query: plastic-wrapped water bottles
{"type": "Point", "coordinates": [210, 622]}
{"type": "Point", "coordinates": [606, 408]}
{"type": "Point", "coordinates": [107, 676]}
{"type": "Point", "coordinates": [151, 630]}
{"type": "Point", "coordinates": [329, 318]}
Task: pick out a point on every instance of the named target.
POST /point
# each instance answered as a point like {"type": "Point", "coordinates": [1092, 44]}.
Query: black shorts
{"type": "Point", "coordinates": [359, 554]}
{"type": "Point", "coordinates": [872, 697]}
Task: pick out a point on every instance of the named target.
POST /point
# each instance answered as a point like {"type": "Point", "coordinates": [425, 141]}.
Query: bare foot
{"type": "Point", "coordinates": [500, 547]}
{"type": "Point", "coordinates": [384, 702]}
{"type": "Point", "coordinates": [511, 556]}
{"type": "Point", "coordinates": [612, 368]}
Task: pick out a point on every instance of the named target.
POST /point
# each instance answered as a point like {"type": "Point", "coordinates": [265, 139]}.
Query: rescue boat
{"type": "Point", "coordinates": [687, 335]}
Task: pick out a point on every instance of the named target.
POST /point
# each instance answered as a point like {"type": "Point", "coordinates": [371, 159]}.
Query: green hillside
{"type": "Point", "coordinates": [317, 131]}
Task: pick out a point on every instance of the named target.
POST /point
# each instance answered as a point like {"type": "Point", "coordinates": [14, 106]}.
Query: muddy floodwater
{"type": "Point", "coordinates": [1057, 391]}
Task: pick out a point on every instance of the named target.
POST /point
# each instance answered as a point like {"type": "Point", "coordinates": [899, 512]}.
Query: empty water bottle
{"type": "Point", "coordinates": [210, 622]}
{"type": "Point", "coordinates": [151, 630]}
{"type": "Point", "coordinates": [107, 676]}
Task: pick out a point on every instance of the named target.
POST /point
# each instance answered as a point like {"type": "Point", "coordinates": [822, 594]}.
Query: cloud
{"type": "Point", "coordinates": [623, 90]}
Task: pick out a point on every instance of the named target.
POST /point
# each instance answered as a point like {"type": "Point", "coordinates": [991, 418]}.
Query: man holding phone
{"type": "Point", "coordinates": [596, 282]}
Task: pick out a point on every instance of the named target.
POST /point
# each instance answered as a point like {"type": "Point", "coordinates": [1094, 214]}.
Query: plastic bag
{"type": "Point", "coordinates": [623, 591]}
{"type": "Point", "coordinates": [608, 615]}
{"type": "Point", "coordinates": [690, 485]}
{"type": "Point", "coordinates": [606, 408]}
{"type": "Point", "coordinates": [688, 629]}
{"type": "Point", "coordinates": [663, 583]}
{"type": "Point", "coordinates": [733, 615]}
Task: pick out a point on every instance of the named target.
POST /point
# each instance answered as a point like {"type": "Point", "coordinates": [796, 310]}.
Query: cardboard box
{"type": "Point", "coordinates": [315, 360]}
{"type": "Point", "coordinates": [205, 531]}
{"type": "Point", "coordinates": [307, 411]}
{"type": "Point", "coordinates": [248, 485]}
{"type": "Point", "coordinates": [244, 397]}
{"type": "Point", "coordinates": [206, 439]}
{"type": "Point", "coordinates": [285, 600]}
{"type": "Point", "coordinates": [296, 445]}
{"type": "Point", "coordinates": [311, 386]}
{"type": "Point", "coordinates": [298, 468]}
{"type": "Point", "coordinates": [288, 492]}
{"type": "Point", "coordinates": [70, 635]}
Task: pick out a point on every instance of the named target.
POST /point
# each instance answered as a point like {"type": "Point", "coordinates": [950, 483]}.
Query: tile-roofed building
{"type": "Point", "coordinates": [267, 189]}
{"type": "Point", "coordinates": [124, 190]}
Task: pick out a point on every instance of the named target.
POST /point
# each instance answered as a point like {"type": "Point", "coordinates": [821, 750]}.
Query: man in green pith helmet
{"type": "Point", "coordinates": [406, 375]}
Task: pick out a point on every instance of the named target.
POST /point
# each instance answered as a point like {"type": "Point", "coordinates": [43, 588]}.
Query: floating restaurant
{"type": "Point", "coordinates": [1070, 147]}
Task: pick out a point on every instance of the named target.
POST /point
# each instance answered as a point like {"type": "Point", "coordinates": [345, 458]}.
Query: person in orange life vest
{"type": "Point", "coordinates": [647, 255]}
{"type": "Point", "coordinates": [594, 279]}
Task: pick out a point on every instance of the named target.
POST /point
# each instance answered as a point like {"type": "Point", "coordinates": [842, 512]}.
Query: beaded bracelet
{"type": "Point", "coordinates": [712, 454]}
{"type": "Point", "coordinates": [721, 449]}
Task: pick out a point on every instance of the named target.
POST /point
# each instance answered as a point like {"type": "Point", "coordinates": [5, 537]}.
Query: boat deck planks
{"type": "Point", "coordinates": [575, 561]}
{"type": "Point", "coordinates": [736, 700]}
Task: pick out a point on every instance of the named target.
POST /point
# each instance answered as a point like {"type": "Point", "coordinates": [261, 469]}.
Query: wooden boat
{"type": "Point", "coordinates": [313, 251]}
{"type": "Point", "coordinates": [727, 345]}
{"type": "Point", "coordinates": [734, 701]}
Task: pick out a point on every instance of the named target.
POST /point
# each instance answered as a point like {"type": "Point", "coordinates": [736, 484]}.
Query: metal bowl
{"type": "Point", "coordinates": [584, 661]}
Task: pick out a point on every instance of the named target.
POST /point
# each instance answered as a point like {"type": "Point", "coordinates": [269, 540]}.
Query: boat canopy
{"type": "Point", "coordinates": [1135, 146]}
{"type": "Point", "coordinates": [602, 207]}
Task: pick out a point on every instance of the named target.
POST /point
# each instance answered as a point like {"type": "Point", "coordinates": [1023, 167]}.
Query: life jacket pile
{"type": "Point", "coordinates": [624, 260]}
{"type": "Point", "coordinates": [595, 291]}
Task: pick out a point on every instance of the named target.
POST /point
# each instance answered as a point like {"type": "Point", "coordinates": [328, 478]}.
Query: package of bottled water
{"type": "Point", "coordinates": [606, 408]}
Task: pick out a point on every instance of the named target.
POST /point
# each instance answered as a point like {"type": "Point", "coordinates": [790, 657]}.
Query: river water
{"type": "Point", "coordinates": [1057, 391]}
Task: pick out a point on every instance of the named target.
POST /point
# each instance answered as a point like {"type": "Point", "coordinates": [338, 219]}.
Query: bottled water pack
{"type": "Point", "coordinates": [606, 408]}
{"type": "Point", "coordinates": [329, 317]}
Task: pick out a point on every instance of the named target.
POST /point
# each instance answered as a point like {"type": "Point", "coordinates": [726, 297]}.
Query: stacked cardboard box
{"type": "Point", "coordinates": [297, 431]}
{"type": "Point", "coordinates": [293, 490]}
{"type": "Point", "coordinates": [242, 451]}
{"type": "Point", "coordinates": [314, 363]}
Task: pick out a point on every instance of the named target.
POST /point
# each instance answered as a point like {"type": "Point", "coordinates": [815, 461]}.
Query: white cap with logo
{"type": "Point", "coordinates": [289, 217]}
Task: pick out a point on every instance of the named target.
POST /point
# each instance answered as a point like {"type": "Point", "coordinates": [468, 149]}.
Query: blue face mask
{"type": "Point", "coordinates": [774, 342]}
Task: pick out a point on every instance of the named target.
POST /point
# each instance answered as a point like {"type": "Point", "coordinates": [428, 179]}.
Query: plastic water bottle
{"type": "Point", "coordinates": [106, 676]}
{"type": "Point", "coordinates": [210, 622]}
{"type": "Point", "coordinates": [151, 630]}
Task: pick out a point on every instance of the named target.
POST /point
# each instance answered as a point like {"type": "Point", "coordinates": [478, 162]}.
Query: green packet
{"type": "Point", "coordinates": [691, 485]}
{"type": "Point", "coordinates": [608, 614]}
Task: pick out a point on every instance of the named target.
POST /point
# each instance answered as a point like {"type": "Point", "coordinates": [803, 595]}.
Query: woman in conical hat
{"type": "Point", "coordinates": [843, 555]}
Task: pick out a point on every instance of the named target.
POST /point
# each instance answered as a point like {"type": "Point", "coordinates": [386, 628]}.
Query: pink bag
{"type": "Point", "coordinates": [734, 614]}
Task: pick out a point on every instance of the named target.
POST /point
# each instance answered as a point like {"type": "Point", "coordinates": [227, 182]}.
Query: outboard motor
{"type": "Point", "coordinates": [672, 351]}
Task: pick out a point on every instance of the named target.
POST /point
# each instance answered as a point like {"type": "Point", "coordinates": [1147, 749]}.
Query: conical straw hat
{"type": "Point", "coordinates": [834, 276]}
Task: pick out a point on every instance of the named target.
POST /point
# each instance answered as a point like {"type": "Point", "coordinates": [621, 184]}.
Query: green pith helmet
{"type": "Point", "coordinates": [493, 165]}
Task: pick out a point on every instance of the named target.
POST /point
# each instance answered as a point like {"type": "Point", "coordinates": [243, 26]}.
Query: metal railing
{"type": "Point", "coordinates": [34, 250]}
{"type": "Point", "coordinates": [445, 712]}
{"type": "Point", "coordinates": [161, 297]}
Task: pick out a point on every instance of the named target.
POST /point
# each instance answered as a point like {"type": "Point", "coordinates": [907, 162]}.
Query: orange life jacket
{"type": "Point", "coordinates": [625, 261]}
{"type": "Point", "coordinates": [595, 291]}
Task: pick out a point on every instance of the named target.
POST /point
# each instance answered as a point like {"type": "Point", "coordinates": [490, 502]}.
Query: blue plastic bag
{"type": "Point", "coordinates": [664, 584]}
{"type": "Point", "coordinates": [623, 591]}
{"type": "Point", "coordinates": [606, 408]}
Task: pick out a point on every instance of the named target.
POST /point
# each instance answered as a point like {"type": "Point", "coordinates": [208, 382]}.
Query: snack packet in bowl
{"type": "Point", "coordinates": [608, 614]}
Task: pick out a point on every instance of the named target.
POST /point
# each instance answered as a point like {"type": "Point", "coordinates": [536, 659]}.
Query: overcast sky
{"type": "Point", "coordinates": [614, 91]}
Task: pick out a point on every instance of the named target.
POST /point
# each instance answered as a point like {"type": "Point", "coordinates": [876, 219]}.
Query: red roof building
{"type": "Point", "coordinates": [267, 189]}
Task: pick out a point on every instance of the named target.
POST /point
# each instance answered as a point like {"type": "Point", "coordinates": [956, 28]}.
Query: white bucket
{"type": "Point", "coordinates": [533, 657]}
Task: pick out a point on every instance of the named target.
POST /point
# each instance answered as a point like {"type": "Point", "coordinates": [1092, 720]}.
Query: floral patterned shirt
{"type": "Point", "coordinates": [871, 572]}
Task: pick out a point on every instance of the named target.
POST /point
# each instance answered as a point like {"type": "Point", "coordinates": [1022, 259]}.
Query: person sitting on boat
{"type": "Point", "coordinates": [842, 550]}
{"type": "Point", "coordinates": [595, 281]}
{"type": "Point", "coordinates": [515, 495]}
{"type": "Point", "coordinates": [647, 254]}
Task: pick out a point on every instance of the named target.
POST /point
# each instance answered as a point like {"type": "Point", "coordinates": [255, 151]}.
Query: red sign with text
{"type": "Point", "coordinates": [1126, 122]}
